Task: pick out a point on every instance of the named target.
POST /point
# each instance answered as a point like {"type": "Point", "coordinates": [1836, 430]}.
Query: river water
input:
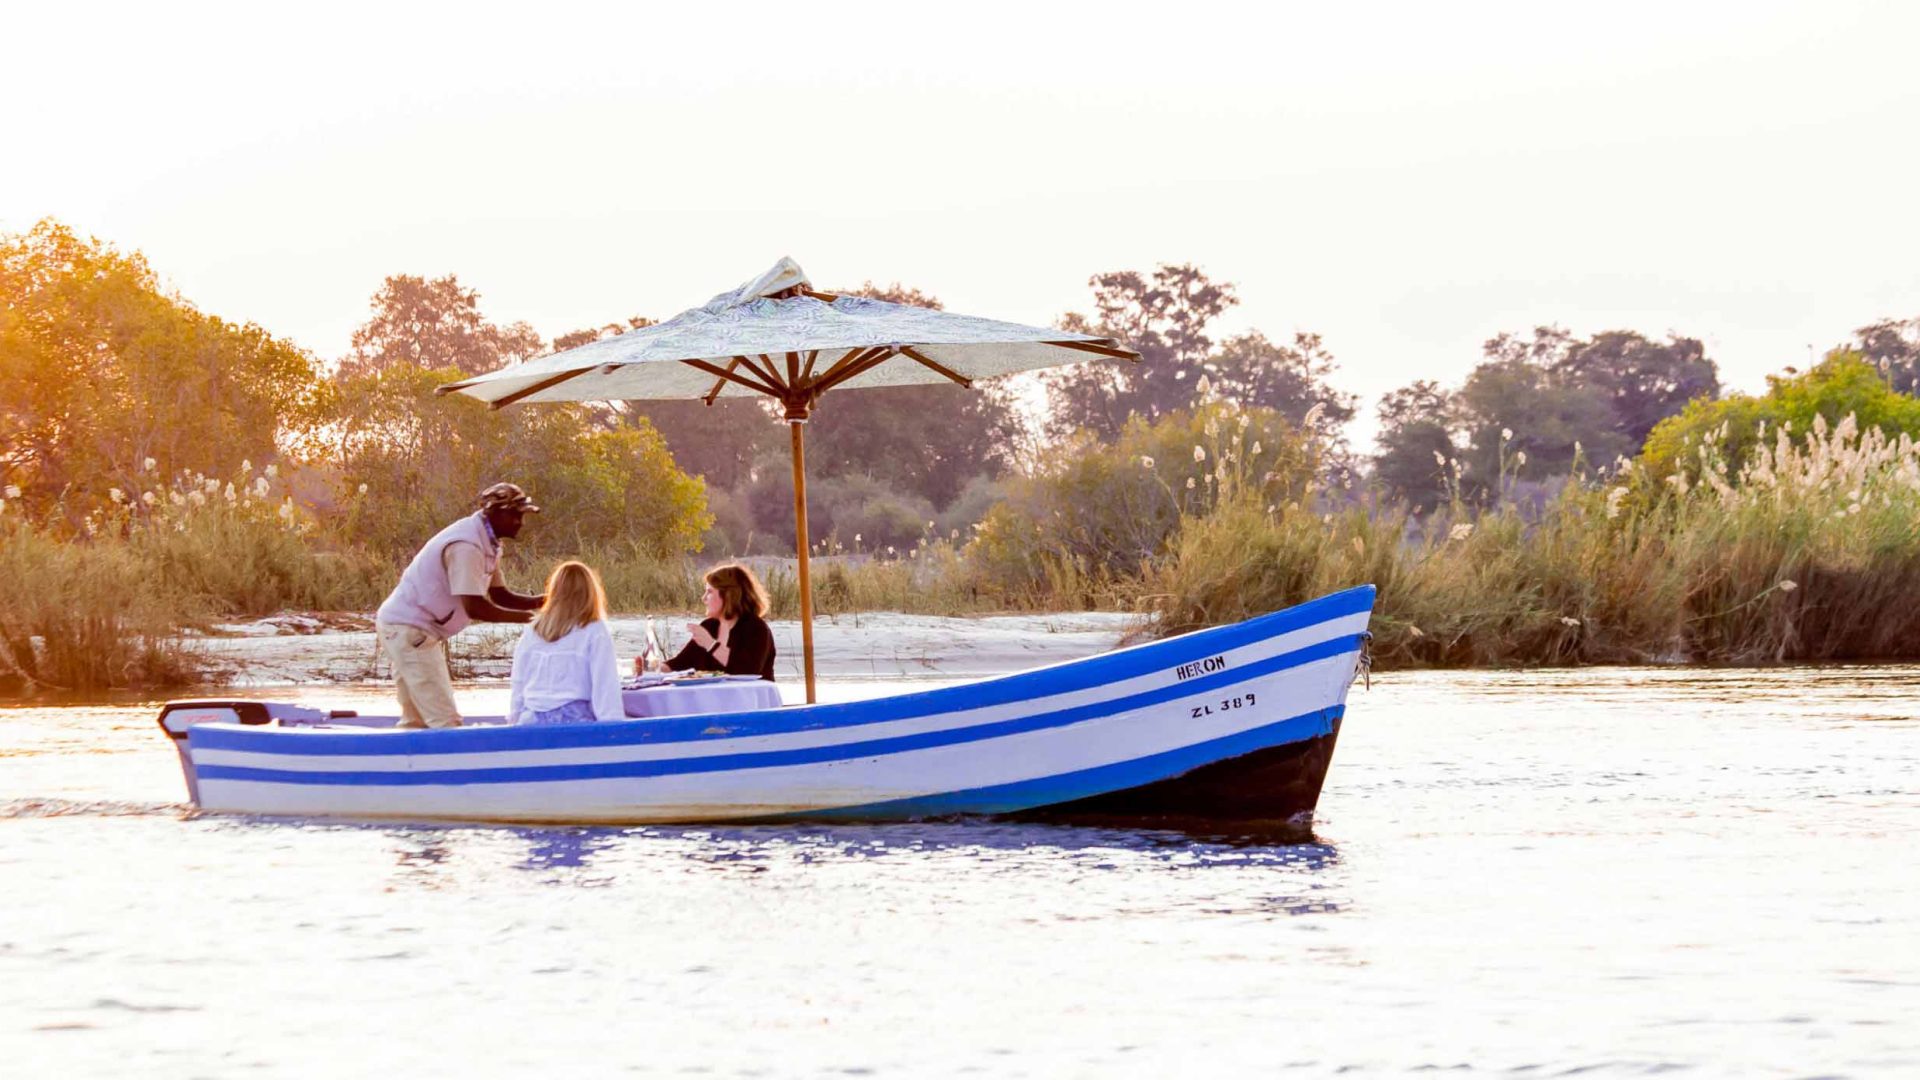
{"type": "Point", "coordinates": [1605, 872]}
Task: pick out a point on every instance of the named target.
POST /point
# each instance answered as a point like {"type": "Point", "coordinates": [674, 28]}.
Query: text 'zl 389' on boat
{"type": "Point", "coordinates": [1233, 723]}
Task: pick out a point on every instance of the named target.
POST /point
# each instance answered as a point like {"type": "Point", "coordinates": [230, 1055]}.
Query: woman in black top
{"type": "Point", "coordinates": [734, 637]}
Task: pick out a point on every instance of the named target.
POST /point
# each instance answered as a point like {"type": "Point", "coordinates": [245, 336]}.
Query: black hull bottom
{"type": "Point", "coordinates": [1272, 789]}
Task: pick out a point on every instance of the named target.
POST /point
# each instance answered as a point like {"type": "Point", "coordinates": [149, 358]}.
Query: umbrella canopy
{"type": "Point", "coordinates": [777, 337]}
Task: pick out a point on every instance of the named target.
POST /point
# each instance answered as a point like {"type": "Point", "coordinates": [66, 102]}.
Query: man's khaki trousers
{"type": "Point", "coordinates": [420, 675]}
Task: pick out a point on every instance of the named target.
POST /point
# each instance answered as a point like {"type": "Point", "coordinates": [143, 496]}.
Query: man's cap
{"type": "Point", "coordinates": [507, 497]}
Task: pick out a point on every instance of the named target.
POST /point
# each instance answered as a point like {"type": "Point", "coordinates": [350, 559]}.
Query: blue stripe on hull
{"type": "Point", "coordinates": [1006, 690]}
{"type": "Point", "coordinates": [1067, 787]}
{"type": "Point", "coordinates": [774, 758]}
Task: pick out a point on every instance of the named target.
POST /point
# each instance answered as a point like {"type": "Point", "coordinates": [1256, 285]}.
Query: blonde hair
{"type": "Point", "coordinates": [575, 598]}
{"type": "Point", "coordinates": [740, 592]}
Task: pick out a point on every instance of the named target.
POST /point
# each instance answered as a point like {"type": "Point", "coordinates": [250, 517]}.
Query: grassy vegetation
{"type": "Point", "coordinates": [107, 604]}
{"type": "Point", "coordinates": [87, 618]}
{"type": "Point", "coordinates": [1806, 550]}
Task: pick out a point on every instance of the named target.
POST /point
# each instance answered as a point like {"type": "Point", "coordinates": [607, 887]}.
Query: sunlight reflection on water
{"type": "Point", "coordinates": [1615, 870]}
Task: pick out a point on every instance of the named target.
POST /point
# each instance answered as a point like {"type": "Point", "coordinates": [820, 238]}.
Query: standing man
{"type": "Point", "coordinates": [454, 580]}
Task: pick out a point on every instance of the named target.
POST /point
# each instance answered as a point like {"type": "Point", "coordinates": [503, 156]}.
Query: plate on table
{"type": "Point", "coordinates": [739, 678]}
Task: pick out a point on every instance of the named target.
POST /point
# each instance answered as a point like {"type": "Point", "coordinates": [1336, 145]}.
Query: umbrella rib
{"type": "Point", "coordinates": [720, 384]}
{"type": "Point", "coordinates": [915, 353]}
{"type": "Point", "coordinates": [724, 373]}
{"type": "Point", "coordinates": [812, 355]}
{"type": "Point", "coordinates": [1102, 350]}
{"type": "Point", "coordinates": [765, 367]}
{"type": "Point", "coordinates": [855, 370]}
{"type": "Point", "coordinates": [528, 391]}
{"type": "Point", "coordinates": [853, 356]}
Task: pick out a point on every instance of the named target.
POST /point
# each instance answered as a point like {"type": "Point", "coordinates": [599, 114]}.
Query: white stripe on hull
{"type": "Point", "coordinates": [798, 788]}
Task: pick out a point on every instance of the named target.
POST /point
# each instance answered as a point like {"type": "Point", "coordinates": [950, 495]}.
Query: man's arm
{"type": "Point", "coordinates": [481, 609]}
{"type": "Point", "coordinates": [480, 596]}
{"type": "Point", "coordinates": [501, 596]}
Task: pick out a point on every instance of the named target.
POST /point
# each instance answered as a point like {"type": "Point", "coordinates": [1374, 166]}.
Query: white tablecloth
{"type": "Point", "coordinates": [702, 696]}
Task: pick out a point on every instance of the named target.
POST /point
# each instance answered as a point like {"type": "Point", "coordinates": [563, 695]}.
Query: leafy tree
{"type": "Point", "coordinates": [1538, 402]}
{"type": "Point", "coordinates": [1844, 384]}
{"type": "Point", "coordinates": [605, 479]}
{"type": "Point", "coordinates": [1166, 316]}
{"type": "Point", "coordinates": [1416, 444]}
{"type": "Point", "coordinates": [1526, 421]}
{"type": "Point", "coordinates": [434, 323]}
{"type": "Point", "coordinates": [423, 458]}
{"type": "Point", "coordinates": [1289, 379]}
{"type": "Point", "coordinates": [1893, 346]}
{"type": "Point", "coordinates": [101, 370]}
{"type": "Point", "coordinates": [1644, 381]}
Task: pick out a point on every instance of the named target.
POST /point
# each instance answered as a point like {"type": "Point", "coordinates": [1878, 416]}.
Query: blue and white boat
{"type": "Point", "coordinates": [1232, 723]}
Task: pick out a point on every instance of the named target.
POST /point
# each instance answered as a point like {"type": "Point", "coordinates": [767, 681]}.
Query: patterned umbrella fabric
{"type": "Point", "coordinates": [778, 337]}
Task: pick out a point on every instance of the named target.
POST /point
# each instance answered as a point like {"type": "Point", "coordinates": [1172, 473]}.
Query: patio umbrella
{"type": "Point", "coordinates": [779, 338]}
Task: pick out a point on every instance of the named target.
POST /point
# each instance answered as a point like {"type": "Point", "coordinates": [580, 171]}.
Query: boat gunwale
{"type": "Point", "coordinates": [1046, 681]}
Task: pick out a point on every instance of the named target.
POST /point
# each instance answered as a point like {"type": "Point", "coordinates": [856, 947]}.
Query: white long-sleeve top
{"type": "Point", "coordinates": [579, 667]}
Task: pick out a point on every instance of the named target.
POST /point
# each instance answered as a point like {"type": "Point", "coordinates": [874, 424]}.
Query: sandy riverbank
{"type": "Point", "coordinates": [868, 645]}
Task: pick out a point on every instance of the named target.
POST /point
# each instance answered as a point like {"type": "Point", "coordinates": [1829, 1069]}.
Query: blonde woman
{"type": "Point", "coordinates": [734, 637]}
{"type": "Point", "coordinates": [564, 670]}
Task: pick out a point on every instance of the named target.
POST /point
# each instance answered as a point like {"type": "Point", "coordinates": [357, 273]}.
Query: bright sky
{"type": "Point", "coordinates": [1406, 179]}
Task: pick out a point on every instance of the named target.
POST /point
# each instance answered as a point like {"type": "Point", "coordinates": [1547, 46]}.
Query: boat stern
{"type": "Point", "coordinates": [178, 719]}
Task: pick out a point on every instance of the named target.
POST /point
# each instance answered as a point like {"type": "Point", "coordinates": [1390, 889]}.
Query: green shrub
{"type": "Point", "coordinates": [1091, 515]}
{"type": "Point", "coordinates": [1842, 385]}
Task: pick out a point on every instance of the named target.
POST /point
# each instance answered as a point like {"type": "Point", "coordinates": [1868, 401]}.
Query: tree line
{"type": "Point", "coordinates": [107, 379]}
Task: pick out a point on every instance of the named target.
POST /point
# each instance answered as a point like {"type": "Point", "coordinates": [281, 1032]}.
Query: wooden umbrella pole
{"type": "Point", "coordinates": [802, 542]}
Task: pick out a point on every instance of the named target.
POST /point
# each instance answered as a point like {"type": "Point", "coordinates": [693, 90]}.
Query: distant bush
{"type": "Point", "coordinates": [969, 508]}
{"type": "Point", "coordinates": [732, 531]}
{"type": "Point", "coordinates": [1844, 384]}
{"type": "Point", "coordinates": [850, 513]}
{"type": "Point", "coordinates": [1091, 516]}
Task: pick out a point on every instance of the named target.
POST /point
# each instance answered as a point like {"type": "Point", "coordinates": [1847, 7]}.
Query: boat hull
{"type": "Point", "coordinates": [1278, 786]}
{"type": "Point", "coordinates": [1231, 723]}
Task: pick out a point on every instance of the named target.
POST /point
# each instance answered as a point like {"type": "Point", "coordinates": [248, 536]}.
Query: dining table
{"type": "Point", "coordinates": [695, 697]}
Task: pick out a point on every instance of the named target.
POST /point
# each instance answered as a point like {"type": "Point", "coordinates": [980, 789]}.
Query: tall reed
{"type": "Point", "coordinates": [1807, 552]}
{"type": "Point", "coordinates": [83, 617]}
